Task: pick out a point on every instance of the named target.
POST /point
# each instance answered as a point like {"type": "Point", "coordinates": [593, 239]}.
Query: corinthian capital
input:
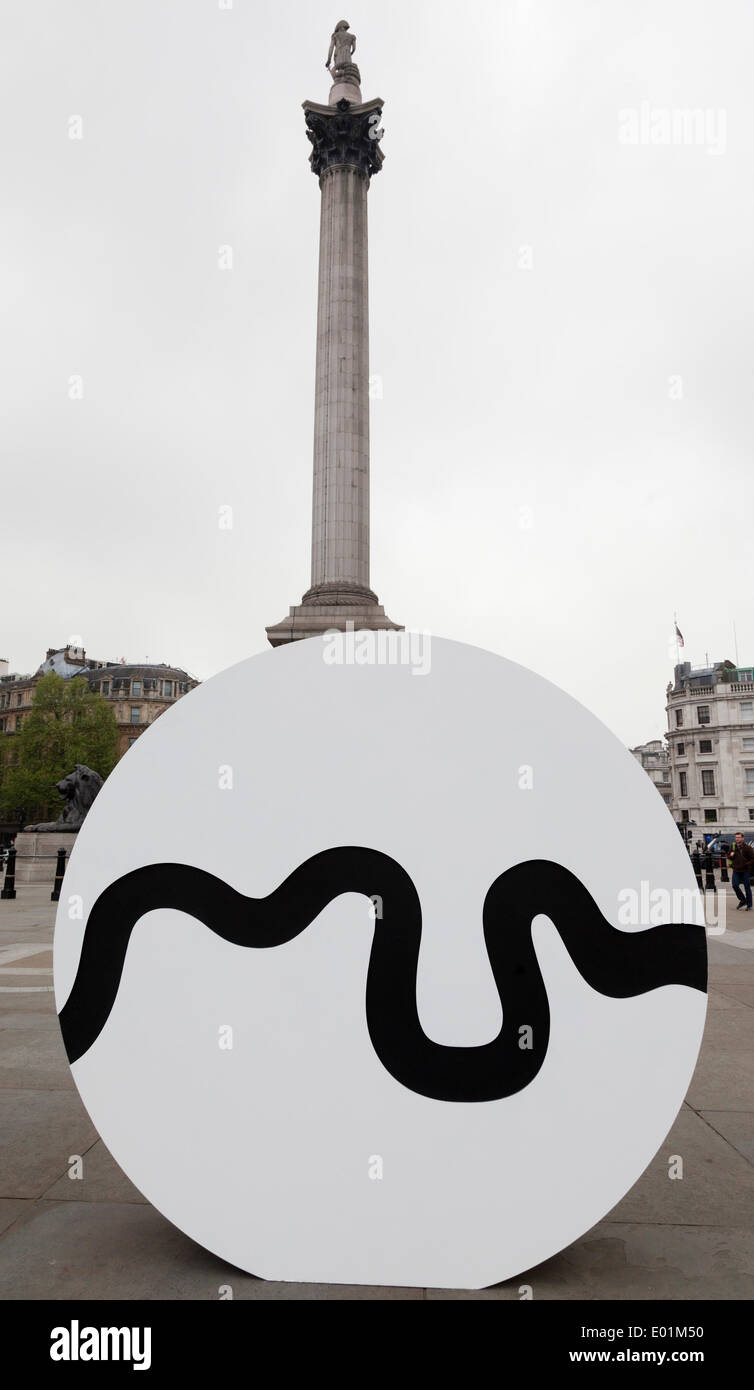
{"type": "Point", "coordinates": [345, 134]}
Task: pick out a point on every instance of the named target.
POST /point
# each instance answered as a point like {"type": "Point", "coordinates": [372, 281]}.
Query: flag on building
{"type": "Point", "coordinates": [679, 636]}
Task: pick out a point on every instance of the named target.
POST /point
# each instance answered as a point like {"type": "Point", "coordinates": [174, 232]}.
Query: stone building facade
{"type": "Point", "coordinates": [139, 694]}
{"type": "Point", "coordinates": [711, 742]}
{"type": "Point", "coordinates": [655, 760]}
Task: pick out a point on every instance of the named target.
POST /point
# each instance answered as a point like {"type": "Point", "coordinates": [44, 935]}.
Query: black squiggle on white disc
{"type": "Point", "coordinates": [612, 962]}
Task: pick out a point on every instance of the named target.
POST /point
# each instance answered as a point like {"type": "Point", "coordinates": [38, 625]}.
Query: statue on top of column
{"type": "Point", "coordinates": [342, 44]}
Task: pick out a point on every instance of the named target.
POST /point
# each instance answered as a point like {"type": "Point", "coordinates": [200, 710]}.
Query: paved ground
{"type": "Point", "coordinates": [98, 1238]}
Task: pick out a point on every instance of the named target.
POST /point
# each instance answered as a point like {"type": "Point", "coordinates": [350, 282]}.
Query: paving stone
{"type": "Point", "coordinates": [742, 971]}
{"type": "Point", "coordinates": [716, 999]}
{"type": "Point", "coordinates": [742, 992]}
{"type": "Point", "coordinates": [39, 1130]}
{"type": "Point", "coordinates": [34, 1059]}
{"type": "Point", "coordinates": [717, 1187]}
{"type": "Point", "coordinates": [27, 1003]}
{"type": "Point", "coordinates": [638, 1261]}
{"type": "Point", "coordinates": [101, 1181]}
{"type": "Point", "coordinates": [10, 1210]}
{"type": "Point", "coordinates": [724, 1076]}
{"type": "Point", "coordinates": [27, 1018]}
{"type": "Point", "coordinates": [726, 951]}
{"type": "Point", "coordinates": [107, 1250]}
{"type": "Point", "coordinates": [736, 1126]}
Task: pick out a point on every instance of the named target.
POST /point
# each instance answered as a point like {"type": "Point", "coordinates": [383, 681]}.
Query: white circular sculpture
{"type": "Point", "coordinates": [366, 991]}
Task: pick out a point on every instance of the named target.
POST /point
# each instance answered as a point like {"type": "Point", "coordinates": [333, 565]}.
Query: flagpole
{"type": "Point", "coordinates": [677, 647]}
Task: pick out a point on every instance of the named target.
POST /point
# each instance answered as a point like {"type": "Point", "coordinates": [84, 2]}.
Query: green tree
{"type": "Point", "coordinates": [67, 724]}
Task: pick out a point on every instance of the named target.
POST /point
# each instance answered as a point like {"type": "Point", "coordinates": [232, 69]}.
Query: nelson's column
{"type": "Point", "coordinates": [345, 138]}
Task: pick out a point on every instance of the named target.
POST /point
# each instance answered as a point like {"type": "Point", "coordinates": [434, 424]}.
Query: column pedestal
{"type": "Point", "coordinates": [311, 619]}
{"type": "Point", "coordinates": [37, 853]}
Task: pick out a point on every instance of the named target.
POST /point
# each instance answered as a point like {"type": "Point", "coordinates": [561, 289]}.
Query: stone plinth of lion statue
{"type": "Point", "coordinates": [79, 789]}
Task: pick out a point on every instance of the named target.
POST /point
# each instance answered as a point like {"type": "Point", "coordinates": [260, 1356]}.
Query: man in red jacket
{"type": "Point", "coordinates": [742, 863]}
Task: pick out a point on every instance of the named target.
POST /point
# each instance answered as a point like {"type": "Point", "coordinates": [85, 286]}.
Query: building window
{"type": "Point", "coordinates": [749, 743]}
{"type": "Point", "coordinates": [708, 782]}
{"type": "Point", "coordinates": [684, 816]}
{"type": "Point", "coordinates": [680, 749]}
{"type": "Point", "coordinates": [684, 784]}
{"type": "Point", "coordinates": [751, 813]}
{"type": "Point", "coordinates": [702, 714]}
{"type": "Point", "coordinates": [749, 780]}
{"type": "Point", "coordinates": [747, 709]}
{"type": "Point", "coordinates": [136, 687]}
{"type": "Point", "coordinates": [679, 719]}
{"type": "Point", "coordinates": [168, 687]}
{"type": "Point", "coordinates": [135, 714]}
{"type": "Point", "coordinates": [705, 745]}
{"type": "Point", "coordinates": [710, 816]}
{"type": "Point", "coordinates": [105, 687]}
{"type": "Point", "coordinates": [18, 699]}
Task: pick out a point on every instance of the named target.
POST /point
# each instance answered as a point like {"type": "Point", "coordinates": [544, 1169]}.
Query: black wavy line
{"type": "Point", "coordinates": [617, 964]}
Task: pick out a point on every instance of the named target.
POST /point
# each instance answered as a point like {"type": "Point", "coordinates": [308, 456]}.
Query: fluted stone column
{"type": "Point", "coordinates": [345, 154]}
{"type": "Point", "coordinates": [340, 513]}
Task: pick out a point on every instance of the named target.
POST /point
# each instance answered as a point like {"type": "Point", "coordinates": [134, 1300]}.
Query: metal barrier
{"type": "Point", "coordinates": [59, 871]}
{"type": "Point", "coordinates": [709, 864]}
{"type": "Point", "coordinates": [14, 858]}
{"type": "Point", "coordinates": [9, 887]}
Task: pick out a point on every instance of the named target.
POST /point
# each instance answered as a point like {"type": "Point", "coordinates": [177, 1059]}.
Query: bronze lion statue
{"type": "Point", "coordinates": [79, 789]}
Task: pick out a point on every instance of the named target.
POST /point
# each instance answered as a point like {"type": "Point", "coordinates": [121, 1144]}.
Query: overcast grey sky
{"type": "Point", "coordinates": [599, 377]}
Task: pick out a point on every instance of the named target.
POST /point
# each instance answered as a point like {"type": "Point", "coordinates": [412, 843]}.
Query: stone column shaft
{"type": "Point", "coordinates": [340, 508]}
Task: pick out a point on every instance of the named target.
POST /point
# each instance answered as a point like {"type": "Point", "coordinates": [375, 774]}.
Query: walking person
{"type": "Point", "coordinates": [742, 863]}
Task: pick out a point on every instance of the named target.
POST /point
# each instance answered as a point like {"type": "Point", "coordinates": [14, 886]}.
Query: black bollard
{"type": "Point", "coordinates": [724, 877]}
{"type": "Point", "coordinates": [696, 860]}
{"type": "Point", "coordinates": [9, 887]}
{"type": "Point", "coordinates": [59, 871]}
{"type": "Point", "coordinates": [709, 873]}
